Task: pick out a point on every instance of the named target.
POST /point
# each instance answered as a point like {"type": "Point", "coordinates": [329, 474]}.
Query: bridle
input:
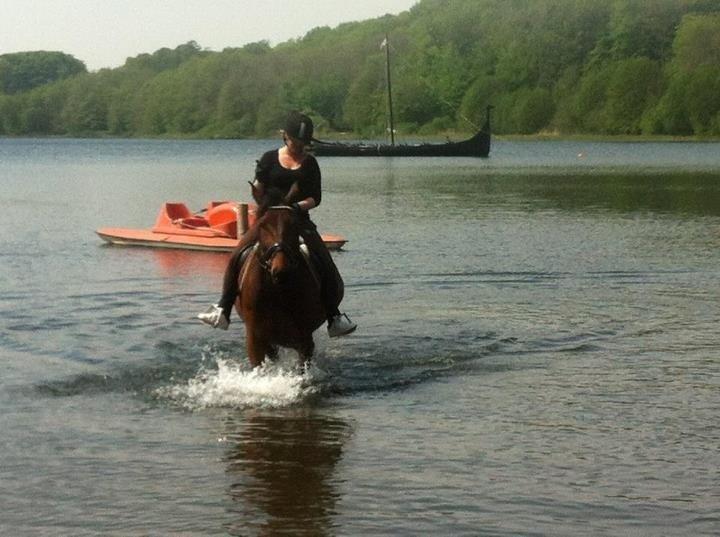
{"type": "Point", "coordinates": [265, 257]}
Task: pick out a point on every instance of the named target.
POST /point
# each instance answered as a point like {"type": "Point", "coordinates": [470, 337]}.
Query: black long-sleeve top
{"type": "Point", "coordinates": [272, 174]}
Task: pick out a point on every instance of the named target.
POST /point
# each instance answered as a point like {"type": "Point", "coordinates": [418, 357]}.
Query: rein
{"type": "Point", "coordinates": [266, 257]}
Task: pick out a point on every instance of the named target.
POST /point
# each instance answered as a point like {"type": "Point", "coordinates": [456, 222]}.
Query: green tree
{"type": "Point", "coordinates": [589, 100]}
{"type": "Point", "coordinates": [634, 86]}
{"type": "Point", "coordinates": [690, 103]}
{"type": "Point", "coordinates": [23, 71]}
{"type": "Point", "coordinates": [534, 108]}
{"type": "Point", "coordinates": [670, 115]}
{"type": "Point", "coordinates": [165, 58]}
{"type": "Point", "coordinates": [478, 96]}
{"type": "Point", "coordinates": [10, 114]}
{"type": "Point", "coordinates": [703, 100]}
{"type": "Point", "coordinates": [85, 110]}
{"type": "Point", "coordinates": [697, 42]}
{"type": "Point", "coordinates": [365, 107]}
{"type": "Point", "coordinates": [42, 111]}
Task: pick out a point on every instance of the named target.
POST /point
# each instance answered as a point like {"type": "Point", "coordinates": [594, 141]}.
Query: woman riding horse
{"type": "Point", "coordinates": [296, 174]}
{"type": "Point", "coordinates": [280, 300]}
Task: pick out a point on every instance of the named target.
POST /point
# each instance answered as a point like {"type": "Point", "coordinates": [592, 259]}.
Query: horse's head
{"type": "Point", "coordinates": [278, 240]}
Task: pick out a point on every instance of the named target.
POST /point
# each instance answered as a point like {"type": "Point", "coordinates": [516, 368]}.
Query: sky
{"type": "Point", "coordinates": [103, 33]}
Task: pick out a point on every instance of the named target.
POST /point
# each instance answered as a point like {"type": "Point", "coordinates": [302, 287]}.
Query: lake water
{"type": "Point", "coordinates": [537, 354]}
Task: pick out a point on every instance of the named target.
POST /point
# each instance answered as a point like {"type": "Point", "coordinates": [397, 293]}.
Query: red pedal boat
{"type": "Point", "coordinates": [214, 229]}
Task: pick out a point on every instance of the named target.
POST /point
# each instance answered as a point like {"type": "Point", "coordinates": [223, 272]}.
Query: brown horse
{"type": "Point", "coordinates": [279, 299]}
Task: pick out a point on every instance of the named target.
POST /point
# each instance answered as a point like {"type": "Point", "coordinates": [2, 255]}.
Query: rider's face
{"type": "Point", "coordinates": [295, 145]}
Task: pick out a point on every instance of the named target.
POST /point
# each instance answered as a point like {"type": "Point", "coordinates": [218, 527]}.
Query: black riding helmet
{"type": "Point", "coordinates": [299, 126]}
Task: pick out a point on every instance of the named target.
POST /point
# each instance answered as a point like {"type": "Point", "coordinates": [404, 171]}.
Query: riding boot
{"type": "Point", "coordinates": [231, 285]}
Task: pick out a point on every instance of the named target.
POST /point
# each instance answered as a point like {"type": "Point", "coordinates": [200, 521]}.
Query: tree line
{"type": "Point", "coordinates": [566, 66]}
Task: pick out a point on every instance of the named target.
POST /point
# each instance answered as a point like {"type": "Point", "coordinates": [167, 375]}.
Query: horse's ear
{"type": "Point", "coordinates": [255, 192]}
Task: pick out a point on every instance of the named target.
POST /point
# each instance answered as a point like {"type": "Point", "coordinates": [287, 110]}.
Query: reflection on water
{"type": "Point", "coordinates": [691, 194]}
{"type": "Point", "coordinates": [175, 263]}
{"type": "Point", "coordinates": [283, 471]}
{"type": "Point", "coordinates": [684, 193]}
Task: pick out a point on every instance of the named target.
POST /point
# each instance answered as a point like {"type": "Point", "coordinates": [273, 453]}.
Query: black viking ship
{"type": "Point", "coordinates": [477, 146]}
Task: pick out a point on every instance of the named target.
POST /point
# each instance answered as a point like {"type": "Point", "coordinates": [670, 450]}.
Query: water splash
{"type": "Point", "coordinates": [236, 385]}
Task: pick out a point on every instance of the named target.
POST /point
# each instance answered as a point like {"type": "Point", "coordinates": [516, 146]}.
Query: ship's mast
{"type": "Point", "coordinates": [389, 90]}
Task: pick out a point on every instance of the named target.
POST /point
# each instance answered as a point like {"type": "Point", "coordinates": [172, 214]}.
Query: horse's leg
{"type": "Point", "coordinates": [306, 350]}
{"type": "Point", "coordinates": [257, 347]}
{"type": "Point", "coordinates": [273, 352]}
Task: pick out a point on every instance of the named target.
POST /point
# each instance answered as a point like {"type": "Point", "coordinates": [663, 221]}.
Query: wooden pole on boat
{"type": "Point", "coordinates": [242, 219]}
{"type": "Point", "coordinates": [389, 88]}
